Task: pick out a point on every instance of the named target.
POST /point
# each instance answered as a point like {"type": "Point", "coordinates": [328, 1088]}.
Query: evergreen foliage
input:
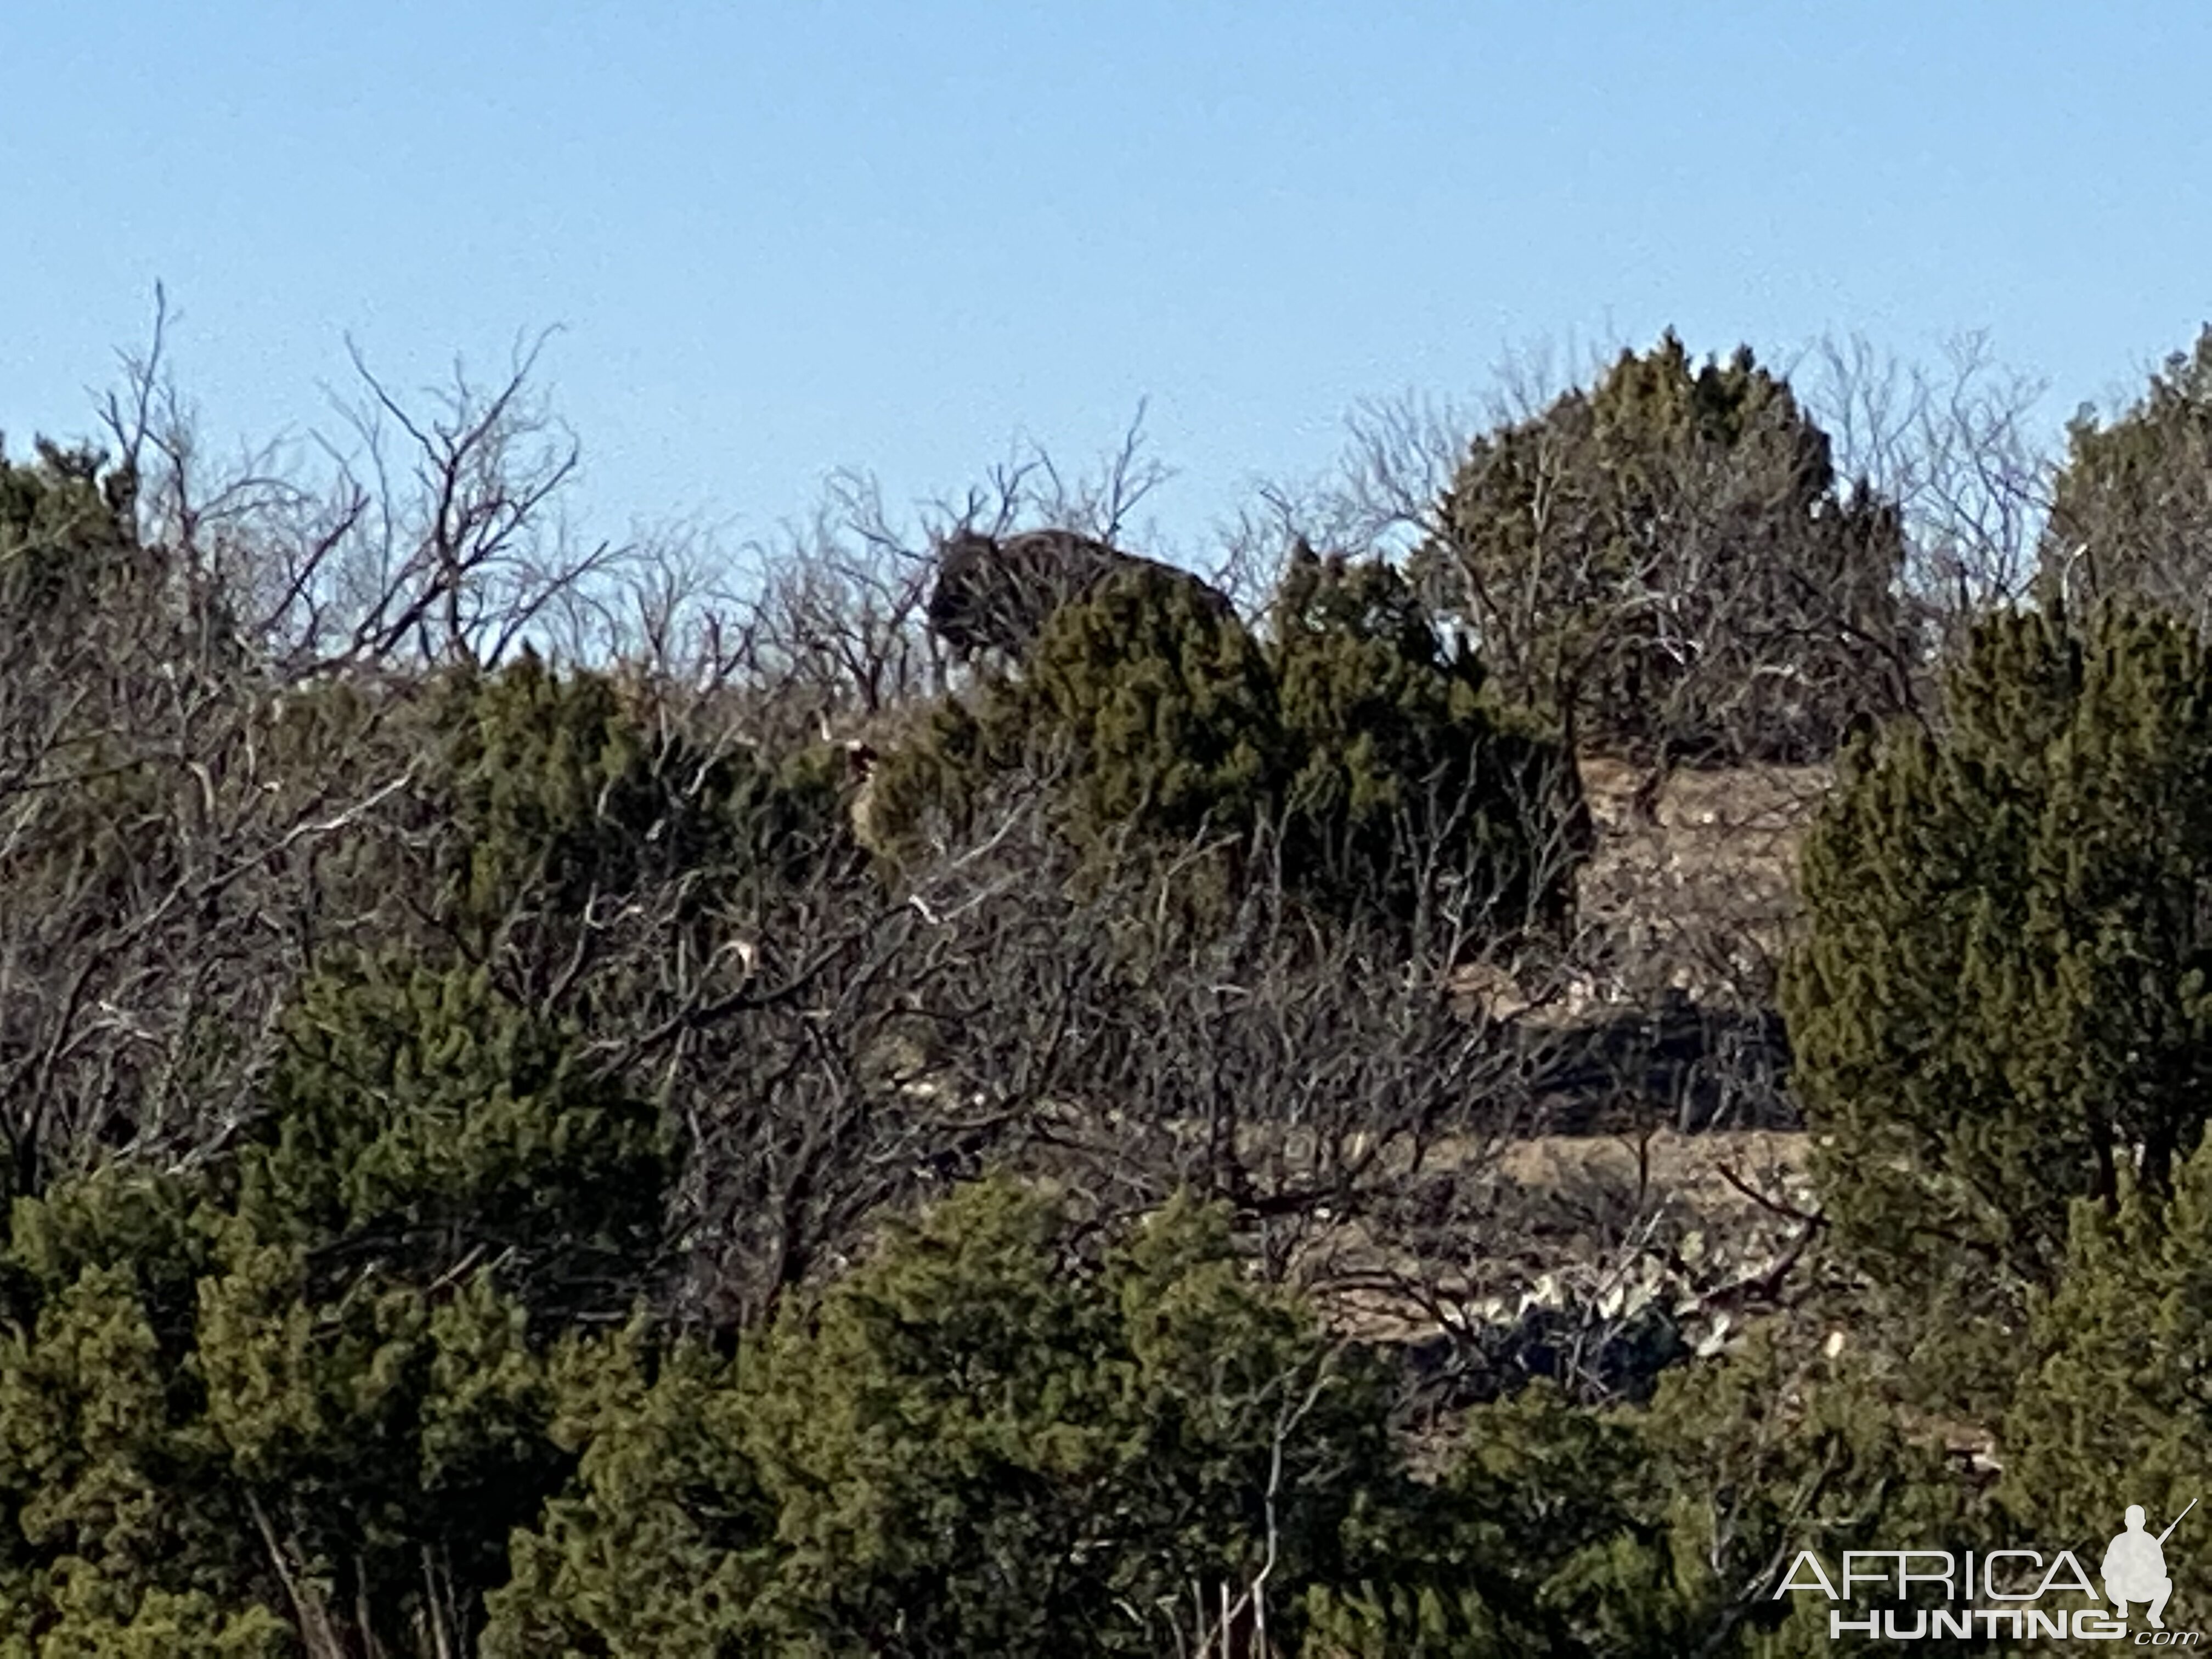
{"type": "Point", "coordinates": [976, 1443]}
{"type": "Point", "coordinates": [424, 1124]}
{"type": "Point", "coordinates": [2003, 999]}
{"type": "Point", "coordinates": [66, 533]}
{"type": "Point", "coordinates": [1407, 789]}
{"type": "Point", "coordinates": [1569, 1530]}
{"type": "Point", "coordinates": [1165, 708]}
{"type": "Point", "coordinates": [2112, 1411]}
{"type": "Point", "coordinates": [1393, 786]}
{"type": "Point", "coordinates": [314, 1362]}
{"type": "Point", "coordinates": [494, 1171]}
{"type": "Point", "coordinates": [2131, 514]}
{"type": "Point", "coordinates": [1666, 564]}
{"type": "Point", "coordinates": [557, 807]}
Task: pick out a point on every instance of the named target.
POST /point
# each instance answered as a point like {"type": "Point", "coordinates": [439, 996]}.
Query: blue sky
{"type": "Point", "coordinates": [787, 237]}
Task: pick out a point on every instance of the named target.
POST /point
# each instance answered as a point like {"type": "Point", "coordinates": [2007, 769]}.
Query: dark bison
{"type": "Point", "coordinates": [994, 595]}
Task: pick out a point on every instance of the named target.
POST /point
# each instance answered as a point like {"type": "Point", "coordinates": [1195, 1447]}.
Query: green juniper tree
{"type": "Point", "coordinates": [1667, 564]}
{"type": "Point", "coordinates": [2131, 515]}
{"type": "Point", "coordinates": [1162, 707]}
{"type": "Point", "coordinates": [303, 1383]}
{"type": "Point", "coordinates": [2111, 1410]}
{"type": "Point", "coordinates": [2004, 999]}
{"type": "Point", "coordinates": [569, 828]}
{"type": "Point", "coordinates": [978, 1441]}
{"type": "Point", "coordinates": [1343, 750]}
{"type": "Point", "coordinates": [1646, 1532]}
{"type": "Point", "coordinates": [1407, 789]}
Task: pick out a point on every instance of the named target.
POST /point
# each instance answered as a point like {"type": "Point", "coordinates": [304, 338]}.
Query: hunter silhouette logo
{"type": "Point", "coordinates": [2135, 1567]}
{"type": "Point", "coordinates": [2023, 1593]}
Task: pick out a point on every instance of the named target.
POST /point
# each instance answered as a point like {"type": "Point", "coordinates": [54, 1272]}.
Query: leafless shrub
{"type": "Point", "coordinates": [206, 718]}
{"type": "Point", "coordinates": [1955, 445]}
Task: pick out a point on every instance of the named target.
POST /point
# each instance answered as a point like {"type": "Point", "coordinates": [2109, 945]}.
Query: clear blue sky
{"type": "Point", "coordinates": [788, 237]}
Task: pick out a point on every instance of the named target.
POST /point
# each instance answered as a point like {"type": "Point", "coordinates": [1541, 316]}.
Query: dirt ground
{"type": "Point", "coordinates": [1698, 887]}
{"type": "Point", "coordinates": [1691, 1166]}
